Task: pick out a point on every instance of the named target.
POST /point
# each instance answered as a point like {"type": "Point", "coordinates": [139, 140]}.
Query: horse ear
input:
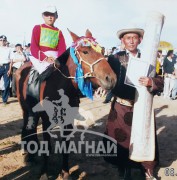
{"type": "Point", "coordinates": [88, 33]}
{"type": "Point", "coordinates": [74, 36]}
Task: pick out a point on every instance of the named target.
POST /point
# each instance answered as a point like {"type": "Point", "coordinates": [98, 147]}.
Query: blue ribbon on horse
{"type": "Point", "coordinates": [84, 85]}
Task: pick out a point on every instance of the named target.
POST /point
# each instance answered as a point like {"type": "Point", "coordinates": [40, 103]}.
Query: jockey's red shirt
{"type": "Point", "coordinates": [37, 49]}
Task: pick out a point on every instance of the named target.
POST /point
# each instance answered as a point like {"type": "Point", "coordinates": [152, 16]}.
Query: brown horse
{"type": "Point", "coordinates": [95, 69]}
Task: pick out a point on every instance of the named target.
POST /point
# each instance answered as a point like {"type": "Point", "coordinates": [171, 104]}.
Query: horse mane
{"type": "Point", "coordinates": [64, 57]}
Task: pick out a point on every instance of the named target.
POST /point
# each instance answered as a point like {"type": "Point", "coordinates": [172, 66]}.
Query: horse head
{"type": "Point", "coordinates": [94, 65]}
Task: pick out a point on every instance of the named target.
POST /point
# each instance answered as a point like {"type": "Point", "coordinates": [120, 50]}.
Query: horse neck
{"type": "Point", "coordinates": [72, 70]}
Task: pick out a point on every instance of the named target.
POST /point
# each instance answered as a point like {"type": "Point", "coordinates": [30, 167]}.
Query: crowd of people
{"type": "Point", "coordinates": [10, 60]}
{"type": "Point", "coordinates": [166, 67]}
{"type": "Point", "coordinates": [169, 72]}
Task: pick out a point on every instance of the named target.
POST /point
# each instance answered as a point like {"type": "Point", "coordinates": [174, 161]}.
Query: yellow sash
{"type": "Point", "coordinates": [49, 37]}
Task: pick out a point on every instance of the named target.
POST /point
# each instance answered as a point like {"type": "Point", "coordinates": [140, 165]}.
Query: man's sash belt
{"type": "Point", "coordinates": [125, 102]}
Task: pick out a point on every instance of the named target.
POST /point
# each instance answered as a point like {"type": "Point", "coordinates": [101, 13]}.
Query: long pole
{"type": "Point", "coordinates": [142, 142]}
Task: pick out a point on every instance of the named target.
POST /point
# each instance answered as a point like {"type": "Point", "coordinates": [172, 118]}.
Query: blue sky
{"type": "Point", "coordinates": [103, 17]}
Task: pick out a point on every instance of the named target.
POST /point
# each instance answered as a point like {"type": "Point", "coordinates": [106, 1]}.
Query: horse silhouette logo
{"type": "Point", "coordinates": [61, 114]}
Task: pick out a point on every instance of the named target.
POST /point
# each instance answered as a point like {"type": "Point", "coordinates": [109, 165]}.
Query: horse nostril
{"type": "Point", "coordinates": [107, 78]}
{"type": "Point", "coordinates": [110, 81]}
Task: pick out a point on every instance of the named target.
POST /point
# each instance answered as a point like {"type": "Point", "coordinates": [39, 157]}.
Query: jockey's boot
{"type": "Point", "coordinates": [32, 96]}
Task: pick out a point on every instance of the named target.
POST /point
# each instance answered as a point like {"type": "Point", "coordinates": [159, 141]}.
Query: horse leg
{"type": "Point", "coordinates": [28, 136]}
{"type": "Point", "coordinates": [65, 158]}
{"type": "Point", "coordinates": [46, 135]}
{"type": "Point", "coordinates": [65, 155]}
{"type": "Point", "coordinates": [47, 140]}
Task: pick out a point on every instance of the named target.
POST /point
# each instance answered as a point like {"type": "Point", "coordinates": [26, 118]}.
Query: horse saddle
{"type": "Point", "coordinates": [33, 84]}
{"type": "Point", "coordinates": [35, 80]}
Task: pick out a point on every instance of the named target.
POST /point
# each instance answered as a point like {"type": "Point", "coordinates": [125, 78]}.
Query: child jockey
{"type": "Point", "coordinates": [47, 42]}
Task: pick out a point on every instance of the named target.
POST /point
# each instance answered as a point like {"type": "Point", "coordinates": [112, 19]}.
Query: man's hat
{"type": "Point", "coordinates": [122, 32]}
{"type": "Point", "coordinates": [49, 8]}
{"type": "Point", "coordinates": [3, 38]}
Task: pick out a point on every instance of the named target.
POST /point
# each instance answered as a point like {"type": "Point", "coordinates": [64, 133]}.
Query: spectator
{"type": "Point", "coordinates": [174, 89]}
{"type": "Point", "coordinates": [5, 67]}
{"type": "Point", "coordinates": [168, 68]}
{"type": "Point", "coordinates": [7, 44]}
{"type": "Point", "coordinates": [19, 58]}
{"type": "Point", "coordinates": [159, 62]}
{"type": "Point", "coordinates": [27, 51]}
{"type": "Point", "coordinates": [103, 51]}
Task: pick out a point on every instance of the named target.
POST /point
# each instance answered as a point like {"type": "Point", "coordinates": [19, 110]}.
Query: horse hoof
{"type": "Point", "coordinates": [44, 177]}
{"type": "Point", "coordinates": [82, 175]}
{"type": "Point", "coordinates": [74, 168]}
{"type": "Point", "coordinates": [64, 176]}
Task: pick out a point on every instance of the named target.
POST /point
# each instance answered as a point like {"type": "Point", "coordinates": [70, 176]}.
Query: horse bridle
{"type": "Point", "coordinates": [87, 75]}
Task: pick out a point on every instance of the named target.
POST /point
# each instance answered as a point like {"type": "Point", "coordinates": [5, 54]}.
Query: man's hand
{"type": "Point", "coordinates": [145, 81]}
{"type": "Point", "coordinates": [9, 72]}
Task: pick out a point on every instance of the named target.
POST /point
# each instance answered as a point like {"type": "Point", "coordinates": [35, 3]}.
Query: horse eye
{"type": "Point", "coordinates": [85, 52]}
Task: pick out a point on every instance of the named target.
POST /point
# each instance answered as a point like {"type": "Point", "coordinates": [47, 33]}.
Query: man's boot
{"type": "Point", "coordinates": [124, 173]}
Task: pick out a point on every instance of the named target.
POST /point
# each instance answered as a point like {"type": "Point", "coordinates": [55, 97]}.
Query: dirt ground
{"type": "Point", "coordinates": [11, 159]}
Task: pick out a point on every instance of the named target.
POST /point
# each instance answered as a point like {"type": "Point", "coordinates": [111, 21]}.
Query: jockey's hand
{"type": "Point", "coordinates": [50, 60]}
{"type": "Point", "coordinates": [145, 81]}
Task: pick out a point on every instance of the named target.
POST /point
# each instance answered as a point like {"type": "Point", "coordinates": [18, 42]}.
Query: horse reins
{"type": "Point", "coordinates": [69, 77]}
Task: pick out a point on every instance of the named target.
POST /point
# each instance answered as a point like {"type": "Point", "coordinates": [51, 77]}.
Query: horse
{"type": "Point", "coordinates": [95, 70]}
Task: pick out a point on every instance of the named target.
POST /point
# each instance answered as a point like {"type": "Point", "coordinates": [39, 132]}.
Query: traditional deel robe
{"type": "Point", "coordinates": [119, 121]}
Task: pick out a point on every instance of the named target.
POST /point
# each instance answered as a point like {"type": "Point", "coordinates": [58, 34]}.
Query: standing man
{"type": "Point", "coordinates": [168, 68]}
{"type": "Point", "coordinates": [19, 58]}
{"type": "Point", "coordinates": [5, 67]}
{"type": "Point", "coordinates": [121, 113]}
{"type": "Point", "coordinates": [27, 51]}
